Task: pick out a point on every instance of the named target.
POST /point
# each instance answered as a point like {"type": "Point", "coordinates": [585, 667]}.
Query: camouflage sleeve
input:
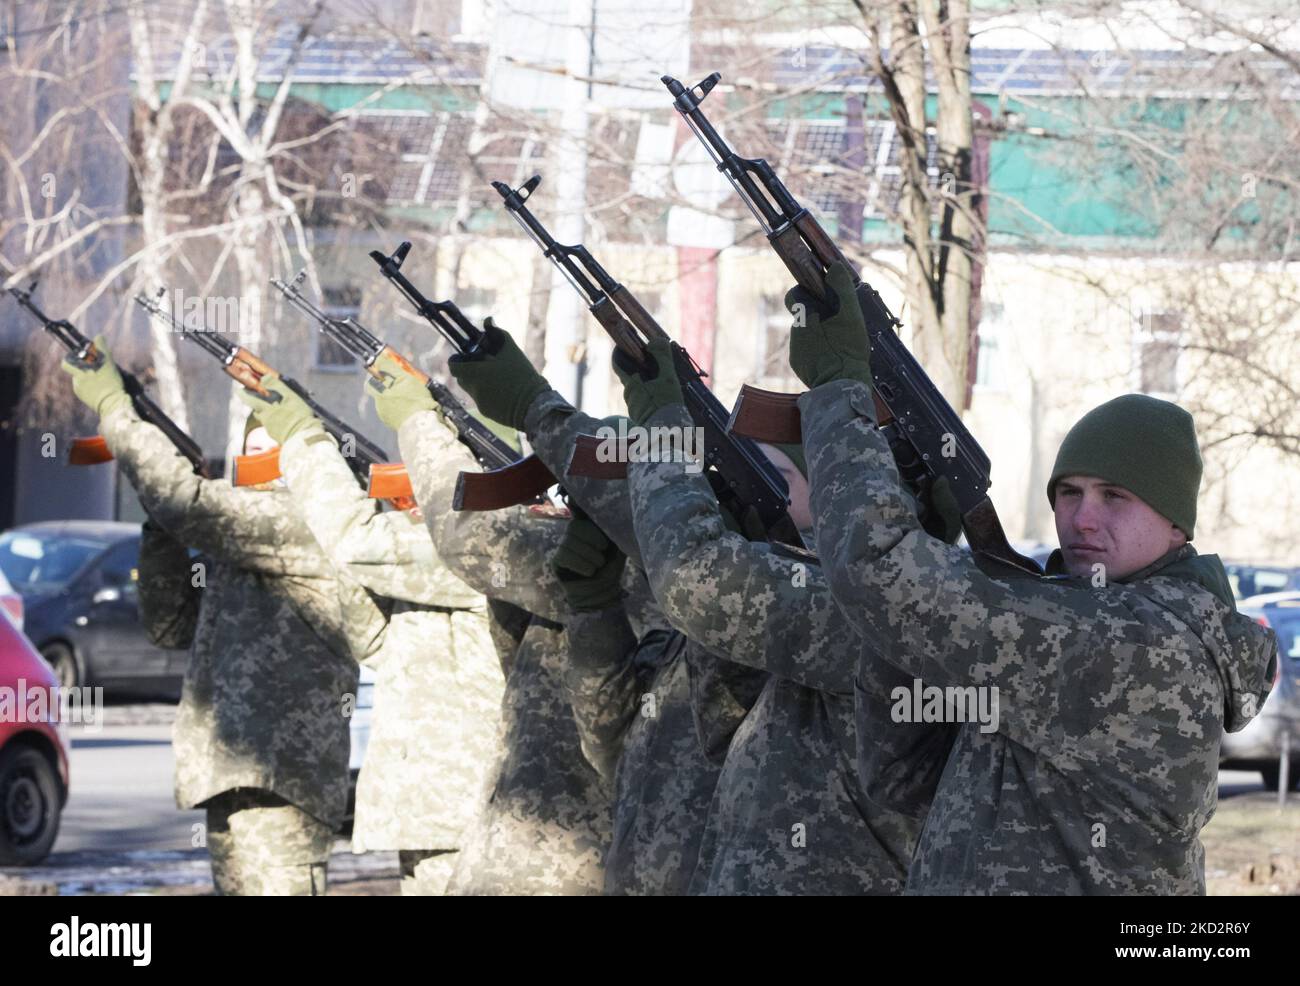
{"type": "Point", "coordinates": [1062, 658]}
{"type": "Point", "coordinates": [168, 597]}
{"type": "Point", "coordinates": [900, 764]}
{"type": "Point", "coordinates": [504, 554]}
{"type": "Point", "coordinates": [389, 553]}
{"type": "Point", "coordinates": [237, 526]}
{"type": "Point", "coordinates": [738, 598]}
{"type": "Point", "coordinates": [722, 693]}
{"type": "Point", "coordinates": [552, 426]}
{"type": "Point", "coordinates": [602, 683]}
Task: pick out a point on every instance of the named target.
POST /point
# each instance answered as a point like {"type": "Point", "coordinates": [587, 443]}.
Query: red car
{"type": "Point", "coordinates": [33, 751]}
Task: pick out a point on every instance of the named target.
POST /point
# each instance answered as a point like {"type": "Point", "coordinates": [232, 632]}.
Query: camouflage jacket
{"type": "Point", "coordinates": [544, 821]}
{"type": "Point", "coordinates": [270, 680]}
{"type": "Point", "coordinates": [169, 600]}
{"type": "Point", "coordinates": [790, 814]}
{"type": "Point", "coordinates": [671, 763]}
{"type": "Point", "coordinates": [722, 692]}
{"type": "Point", "coordinates": [438, 683]}
{"type": "Point", "coordinates": [1111, 699]}
{"type": "Point", "coordinates": [631, 700]}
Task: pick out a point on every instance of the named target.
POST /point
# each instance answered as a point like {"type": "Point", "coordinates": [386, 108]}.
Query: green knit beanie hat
{"type": "Point", "coordinates": [1146, 445]}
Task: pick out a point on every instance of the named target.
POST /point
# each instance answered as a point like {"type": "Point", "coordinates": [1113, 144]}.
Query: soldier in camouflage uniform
{"type": "Point", "coordinates": [631, 701]}
{"type": "Point", "coordinates": [1114, 682]}
{"type": "Point", "coordinates": [666, 773]}
{"type": "Point", "coordinates": [790, 814]}
{"type": "Point", "coordinates": [544, 818]}
{"type": "Point", "coordinates": [438, 683]}
{"type": "Point", "coordinates": [169, 599]}
{"type": "Point", "coordinates": [261, 733]}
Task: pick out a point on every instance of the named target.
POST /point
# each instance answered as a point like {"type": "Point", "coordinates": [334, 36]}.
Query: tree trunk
{"type": "Point", "coordinates": [947, 25]}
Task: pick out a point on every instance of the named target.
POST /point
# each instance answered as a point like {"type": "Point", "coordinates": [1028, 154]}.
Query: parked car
{"type": "Point", "coordinates": [1259, 745]}
{"type": "Point", "coordinates": [33, 754]}
{"type": "Point", "coordinates": [78, 582]}
{"type": "Point", "coordinates": [1257, 580]}
{"type": "Point", "coordinates": [11, 602]}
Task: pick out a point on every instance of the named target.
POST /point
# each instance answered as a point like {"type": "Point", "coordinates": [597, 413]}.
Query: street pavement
{"type": "Point", "coordinates": [121, 831]}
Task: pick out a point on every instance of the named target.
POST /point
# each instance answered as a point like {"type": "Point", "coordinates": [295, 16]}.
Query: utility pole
{"type": "Point", "coordinates": [566, 329]}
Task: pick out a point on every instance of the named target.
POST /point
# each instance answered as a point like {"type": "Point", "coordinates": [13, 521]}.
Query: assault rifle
{"type": "Point", "coordinates": [519, 479]}
{"type": "Point", "coordinates": [918, 422]}
{"type": "Point", "coordinates": [490, 450]}
{"type": "Point", "coordinates": [248, 369]}
{"type": "Point", "coordinates": [89, 451]}
{"type": "Point", "coordinates": [741, 475]}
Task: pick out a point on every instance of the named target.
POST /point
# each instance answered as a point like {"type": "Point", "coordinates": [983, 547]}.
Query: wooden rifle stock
{"type": "Point", "coordinates": [772, 417]}
{"type": "Point", "coordinates": [518, 483]}
{"type": "Point", "coordinates": [401, 361]}
{"type": "Point", "coordinates": [89, 451]}
{"type": "Point", "coordinates": [798, 259]}
{"type": "Point", "coordinates": [766, 416]}
{"type": "Point", "coordinates": [588, 460]}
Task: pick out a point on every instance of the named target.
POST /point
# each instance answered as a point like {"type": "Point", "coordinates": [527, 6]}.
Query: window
{"type": "Point", "coordinates": [990, 369]}
{"type": "Point", "coordinates": [819, 149]}
{"type": "Point", "coordinates": [43, 561]}
{"type": "Point", "coordinates": [1158, 341]}
{"type": "Point", "coordinates": [340, 302]}
{"type": "Point", "coordinates": [118, 568]}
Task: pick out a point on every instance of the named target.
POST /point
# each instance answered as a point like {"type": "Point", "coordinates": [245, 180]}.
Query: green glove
{"type": "Point", "coordinates": [749, 526]}
{"type": "Point", "coordinates": [499, 377]}
{"type": "Point", "coordinates": [943, 518]}
{"type": "Point", "coordinates": [647, 390]}
{"type": "Point", "coordinates": [283, 414]}
{"type": "Point", "coordinates": [588, 565]}
{"type": "Point", "coordinates": [397, 394]}
{"type": "Point", "coordinates": [99, 386]}
{"type": "Point", "coordinates": [829, 338]}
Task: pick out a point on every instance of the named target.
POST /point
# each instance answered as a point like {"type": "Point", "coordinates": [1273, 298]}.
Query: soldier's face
{"type": "Point", "coordinates": [1099, 523]}
{"type": "Point", "coordinates": [800, 513]}
{"type": "Point", "coordinates": [259, 440]}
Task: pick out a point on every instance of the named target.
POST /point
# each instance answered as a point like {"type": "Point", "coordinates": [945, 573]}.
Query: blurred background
{"type": "Point", "coordinates": [1061, 201]}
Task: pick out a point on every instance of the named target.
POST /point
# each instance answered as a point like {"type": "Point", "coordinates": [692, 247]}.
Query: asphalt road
{"type": "Point", "coordinates": [121, 794]}
{"type": "Point", "coordinates": [121, 831]}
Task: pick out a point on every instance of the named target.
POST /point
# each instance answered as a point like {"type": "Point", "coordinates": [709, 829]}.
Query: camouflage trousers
{"type": "Point", "coordinates": [264, 846]}
{"type": "Point", "coordinates": [425, 872]}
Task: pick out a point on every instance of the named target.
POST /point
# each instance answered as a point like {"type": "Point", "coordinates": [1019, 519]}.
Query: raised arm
{"type": "Point", "coordinates": [500, 553]}
{"type": "Point", "coordinates": [739, 598]}
{"type": "Point", "coordinates": [169, 599]}
{"type": "Point", "coordinates": [552, 425]}
{"type": "Point", "coordinates": [243, 527]}
{"type": "Point", "coordinates": [388, 552]}
{"type": "Point", "coordinates": [507, 388]}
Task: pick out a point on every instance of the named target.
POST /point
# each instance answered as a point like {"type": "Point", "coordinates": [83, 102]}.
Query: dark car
{"type": "Point", "coordinates": [33, 753]}
{"type": "Point", "coordinates": [1256, 580]}
{"type": "Point", "coordinates": [80, 601]}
